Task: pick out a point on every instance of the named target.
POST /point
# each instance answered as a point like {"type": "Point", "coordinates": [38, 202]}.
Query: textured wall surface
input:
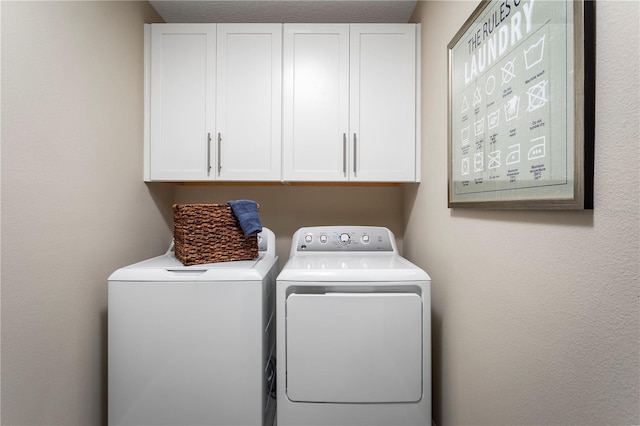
{"type": "Point", "coordinates": [535, 314]}
{"type": "Point", "coordinates": [285, 10]}
{"type": "Point", "coordinates": [74, 207]}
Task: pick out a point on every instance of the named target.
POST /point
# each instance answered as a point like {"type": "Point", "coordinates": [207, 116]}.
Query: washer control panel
{"type": "Point", "coordinates": [344, 238]}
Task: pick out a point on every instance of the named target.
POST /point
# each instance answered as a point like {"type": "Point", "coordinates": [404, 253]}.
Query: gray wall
{"type": "Point", "coordinates": [535, 314]}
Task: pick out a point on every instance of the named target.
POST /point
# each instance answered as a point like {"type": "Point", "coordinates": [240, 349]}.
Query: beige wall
{"type": "Point", "coordinates": [284, 209]}
{"type": "Point", "coordinates": [74, 207]}
{"type": "Point", "coordinates": [553, 341]}
{"type": "Point", "coordinates": [535, 314]}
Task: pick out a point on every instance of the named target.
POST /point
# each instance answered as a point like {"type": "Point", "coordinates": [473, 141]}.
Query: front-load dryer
{"type": "Point", "coordinates": [193, 345]}
{"type": "Point", "coordinates": [353, 331]}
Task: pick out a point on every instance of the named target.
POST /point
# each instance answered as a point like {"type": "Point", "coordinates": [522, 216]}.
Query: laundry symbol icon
{"type": "Point", "coordinates": [490, 85]}
{"type": "Point", "coordinates": [539, 149]}
{"type": "Point", "coordinates": [534, 54]}
{"type": "Point", "coordinates": [465, 166]}
{"type": "Point", "coordinates": [537, 96]}
{"type": "Point", "coordinates": [508, 71]}
{"type": "Point", "coordinates": [465, 105]}
{"type": "Point", "coordinates": [479, 127]}
{"type": "Point", "coordinates": [511, 108]}
{"type": "Point", "coordinates": [465, 136]}
{"type": "Point", "coordinates": [478, 162]}
{"type": "Point", "coordinates": [513, 156]}
{"type": "Point", "coordinates": [493, 119]}
{"type": "Point", "coordinates": [477, 97]}
{"type": "Point", "coordinates": [494, 159]}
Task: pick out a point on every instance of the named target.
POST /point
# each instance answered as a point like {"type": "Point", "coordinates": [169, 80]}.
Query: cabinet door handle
{"type": "Point", "coordinates": [219, 153]}
{"type": "Point", "coordinates": [344, 154]}
{"type": "Point", "coordinates": [208, 154]}
{"type": "Point", "coordinates": [355, 154]}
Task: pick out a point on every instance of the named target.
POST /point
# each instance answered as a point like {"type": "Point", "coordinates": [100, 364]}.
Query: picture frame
{"type": "Point", "coordinates": [521, 106]}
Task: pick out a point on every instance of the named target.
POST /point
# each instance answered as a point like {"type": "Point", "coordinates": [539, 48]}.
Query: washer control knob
{"type": "Point", "coordinates": [323, 239]}
{"type": "Point", "coordinates": [365, 239]}
{"type": "Point", "coordinates": [308, 238]}
{"type": "Point", "coordinates": [344, 238]}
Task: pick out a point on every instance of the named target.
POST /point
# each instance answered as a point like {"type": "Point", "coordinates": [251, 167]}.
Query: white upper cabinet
{"type": "Point", "coordinates": [181, 103]}
{"type": "Point", "coordinates": [382, 117]}
{"type": "Point", "coordinates": [292, 102]}
{"type": "Point", "coordinates": [315, 102]}
{"type": "Point", "coordinates": [215, 102]}
{"type": "Point", "coordinates": [248, 101]}
{"type": "Point", "coordinates": [349, 102]}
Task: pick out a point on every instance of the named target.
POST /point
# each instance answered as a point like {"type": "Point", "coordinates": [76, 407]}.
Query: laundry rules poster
{"type": "Point", "coordinates": [512, 103]}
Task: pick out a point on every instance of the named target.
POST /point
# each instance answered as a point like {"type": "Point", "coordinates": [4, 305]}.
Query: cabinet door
{"type": "Point", "coordinates": [248, 102]}
{"type": "Point", "coordinates": [383, 102]}
{"type": "Point", "coordinates": [181, 101]}
{"type": "Point", "coordinates": [315, 102]}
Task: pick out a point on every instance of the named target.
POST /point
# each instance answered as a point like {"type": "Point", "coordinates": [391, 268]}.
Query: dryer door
{"type": "Point", "coordinates": [354, 347]}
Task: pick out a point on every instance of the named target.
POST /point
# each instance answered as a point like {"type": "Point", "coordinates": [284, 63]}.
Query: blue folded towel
{"type": "Point", "coordinates": [247, 213]}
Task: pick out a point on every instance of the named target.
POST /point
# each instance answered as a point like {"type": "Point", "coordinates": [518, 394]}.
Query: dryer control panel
{"type": "Point", "coordinates": [344, 238]}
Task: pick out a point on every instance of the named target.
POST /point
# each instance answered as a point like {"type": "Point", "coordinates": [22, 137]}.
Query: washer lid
{"type": "Point", "coordinates": [340, 267]}
{"type": "Point", "coordinates": [168, 268]}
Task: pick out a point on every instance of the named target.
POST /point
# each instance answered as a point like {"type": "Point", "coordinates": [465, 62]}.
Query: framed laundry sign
{"type": "Point", "coordinates": [521, 106]}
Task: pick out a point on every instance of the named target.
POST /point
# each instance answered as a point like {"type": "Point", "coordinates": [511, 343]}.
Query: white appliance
{"type": "Point", "coordinates": [193, 345]}
{"type": "Point", "coordinates": [353, 331]}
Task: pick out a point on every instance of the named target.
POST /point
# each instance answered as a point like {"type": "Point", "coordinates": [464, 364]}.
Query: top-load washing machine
{"type": "Point", "coordinates": [353, 331]}
{"type": "Point", "coordinates": [193, 345]}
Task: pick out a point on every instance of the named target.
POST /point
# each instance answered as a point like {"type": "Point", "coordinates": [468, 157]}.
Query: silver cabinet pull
{"type": "Point", "coordinates": [219, 153]}
{"type": "Point", "coordinates": [355, 154]}
{"type": "Point", "coordinates": [344, 153]}
{"type": "Point", "coordinates": [208, 154]}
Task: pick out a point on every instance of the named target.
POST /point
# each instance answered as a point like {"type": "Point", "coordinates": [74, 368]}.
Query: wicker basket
{"type": "Point", "coordinates": [208, 233]}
